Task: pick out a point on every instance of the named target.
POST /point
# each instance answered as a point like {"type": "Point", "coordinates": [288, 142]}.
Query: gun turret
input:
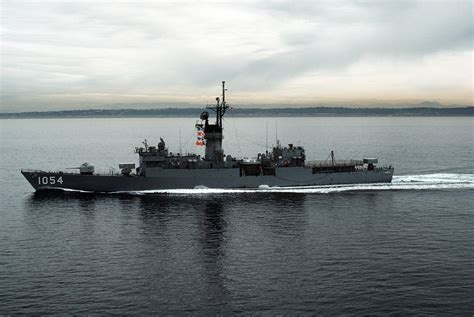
{"type": "Point", "coordinates": [84, 169]}
{"type": "Point", "coordinates": [126, 168]}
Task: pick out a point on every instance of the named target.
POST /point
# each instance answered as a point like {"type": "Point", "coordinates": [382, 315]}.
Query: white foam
{"type": "Point", "coordinates": [439, 178]}
{"type": "Point", "coordinates": [66, 189]}
{"type": "Point", "coordinates": [201, 187]}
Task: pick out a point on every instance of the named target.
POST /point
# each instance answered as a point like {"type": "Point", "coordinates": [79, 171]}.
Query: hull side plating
{"type": "Point", "coordinates": [212, 178]}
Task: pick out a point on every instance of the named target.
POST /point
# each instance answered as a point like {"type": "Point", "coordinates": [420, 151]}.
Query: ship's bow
{"type": "Point", "coordinates": [31, 177]}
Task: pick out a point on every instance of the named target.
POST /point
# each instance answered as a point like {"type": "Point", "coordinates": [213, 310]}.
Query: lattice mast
{"type": "Point", "coordinates": [220, 108]}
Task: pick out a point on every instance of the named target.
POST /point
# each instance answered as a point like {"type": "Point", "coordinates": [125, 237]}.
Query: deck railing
{"type": "Point", "coordinates": [110, 173]}
{"type": "Point", "coordinates": [326, 163]}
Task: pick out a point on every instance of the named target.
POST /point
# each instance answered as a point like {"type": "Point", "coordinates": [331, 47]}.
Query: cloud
{"type": "Point", "coordinates": [62, 53]}
{"type": "Point", "coordinates": [336, 38]}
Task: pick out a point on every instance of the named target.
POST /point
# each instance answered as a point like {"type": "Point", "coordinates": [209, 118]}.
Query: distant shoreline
{"type": "Point", "coordinates": [247, 112]}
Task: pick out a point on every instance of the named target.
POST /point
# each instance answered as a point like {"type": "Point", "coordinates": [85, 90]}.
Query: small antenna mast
{"type": "Point", "coordinates": [223, 107]}
{"type": "Point", "coordinates": [276, 131]}
{"type": "Point", "coordinates": [266, 136]}
{"type": "Point", "coordinates": [223, 93]}
{"type": "Point", "coordinates": [180, 149]}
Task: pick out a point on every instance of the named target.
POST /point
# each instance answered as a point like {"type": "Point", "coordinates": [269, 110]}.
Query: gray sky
{"type": "Point", "coordinates": [75, 54]}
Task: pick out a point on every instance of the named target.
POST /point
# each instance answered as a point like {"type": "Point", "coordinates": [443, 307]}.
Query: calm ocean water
{"type": "Point", "coordinates": [404, 248]}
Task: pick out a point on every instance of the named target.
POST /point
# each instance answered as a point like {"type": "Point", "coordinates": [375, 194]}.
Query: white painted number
{"type": "Point", "coordinates": [50, 181]}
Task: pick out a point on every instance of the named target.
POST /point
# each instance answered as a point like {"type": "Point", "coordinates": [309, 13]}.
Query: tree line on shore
{"type": "Point", "coordinates": [246, 112]}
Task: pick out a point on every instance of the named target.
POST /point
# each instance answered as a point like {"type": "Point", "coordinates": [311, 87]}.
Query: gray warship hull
{"type": "Point", "coordinates": [211, 178]}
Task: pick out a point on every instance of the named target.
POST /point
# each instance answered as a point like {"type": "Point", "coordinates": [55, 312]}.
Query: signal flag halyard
{"type": "Point", "coordinates": [200, 135]}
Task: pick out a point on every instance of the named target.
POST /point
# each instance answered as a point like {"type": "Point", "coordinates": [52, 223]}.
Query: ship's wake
{"type": "Point", "coordinates": [437, 181]}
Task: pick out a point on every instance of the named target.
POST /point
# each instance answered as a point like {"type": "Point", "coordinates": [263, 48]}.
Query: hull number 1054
{"type": "Point", "coordinates": [51, 180]}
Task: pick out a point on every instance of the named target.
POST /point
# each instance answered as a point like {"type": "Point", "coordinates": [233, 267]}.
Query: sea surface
{"type": "Point", "coordinates": [400, 248]}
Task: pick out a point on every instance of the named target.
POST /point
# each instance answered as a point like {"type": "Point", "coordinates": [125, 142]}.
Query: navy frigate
{"type": "Point", "coordinates": [159, 169]}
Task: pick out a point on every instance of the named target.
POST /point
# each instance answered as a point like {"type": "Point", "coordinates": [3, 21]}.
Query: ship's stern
{"type": "Point", "coordinates": [388, 174]}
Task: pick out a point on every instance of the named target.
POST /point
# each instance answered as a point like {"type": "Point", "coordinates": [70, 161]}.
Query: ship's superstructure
{"type": "Point", "coordinates": [160, 169]}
